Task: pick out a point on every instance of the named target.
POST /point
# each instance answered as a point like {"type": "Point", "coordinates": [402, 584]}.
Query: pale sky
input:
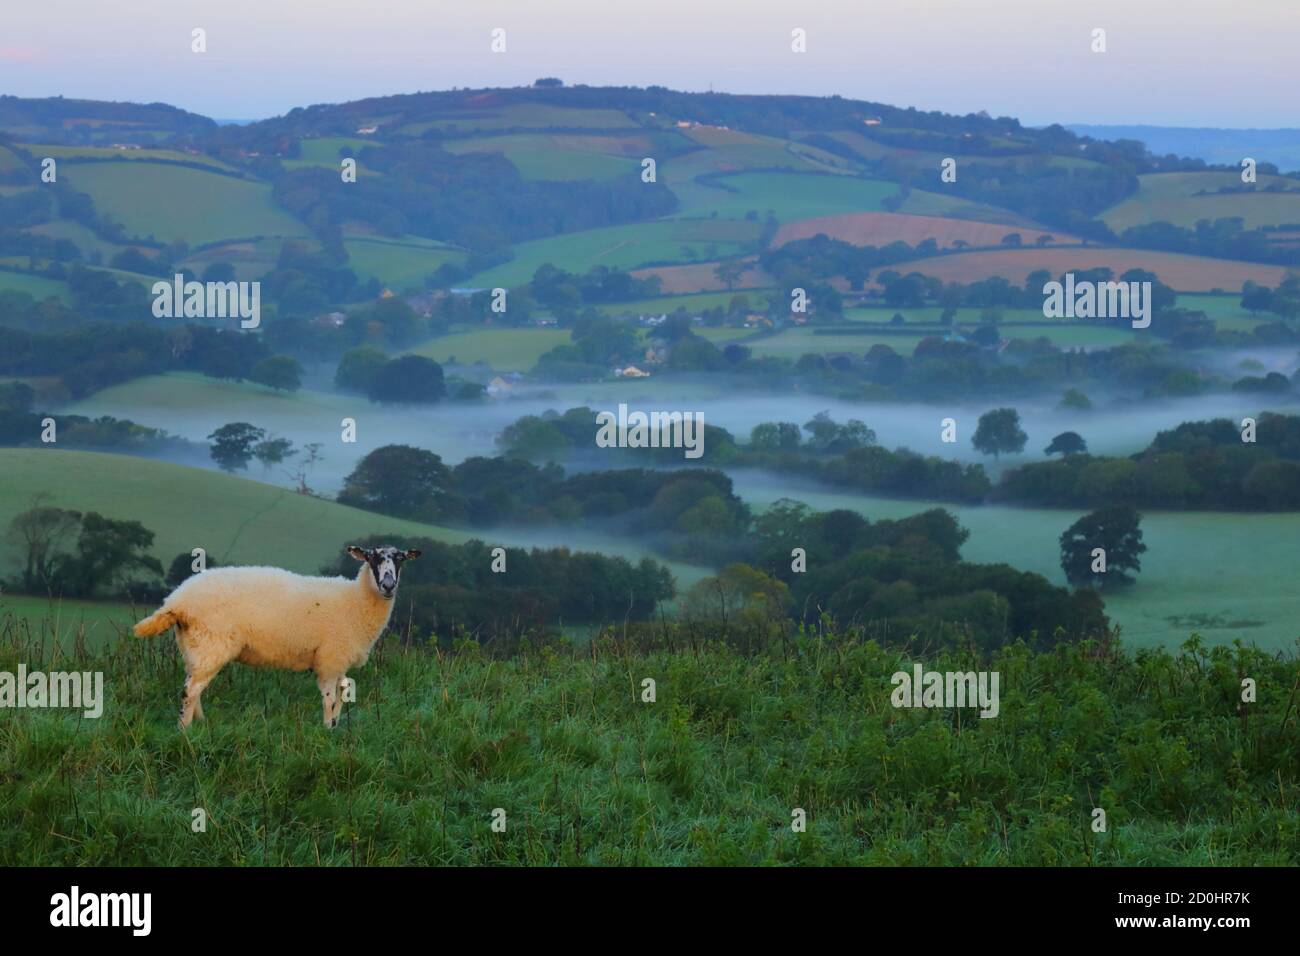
{"type": "Point", "coordinates": [1168, 62]}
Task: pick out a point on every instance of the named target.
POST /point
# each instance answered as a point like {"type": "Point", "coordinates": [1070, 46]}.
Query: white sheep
{"type": "Point", "coordinates": [269, 617]}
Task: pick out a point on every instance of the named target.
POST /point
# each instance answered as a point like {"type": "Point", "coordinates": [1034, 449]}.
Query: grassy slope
{"type": "Point", "coordinates": [622, 247]}
{"type": "Point", "coordinates": [399, 264]}
{"type": "Point", "coordinates": [1172, 197]}
{"type": "Point", "coordinates": [37, 287]}
{"type": "Point", "coordinates": [538, 156]}
{"type": "Point", "coordinates": [506, 350]}
{"type": "Point", "coordinates": [707, 774]}
{"type": "Point", "coordinates": [175, 202]}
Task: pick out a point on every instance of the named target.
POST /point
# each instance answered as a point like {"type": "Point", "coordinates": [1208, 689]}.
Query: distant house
{"type": "Point", "coordinates": [544, 321]}
{"type": "Point", "coordinates": [652, 321]}
{"type": "Point", "coordinates": [386, 294]}
{"type": "Point", "coordinates": [631, 372]}
{"type": "Point", "coordinates": [871, 122]}
{"type": "Point", "coordinates": [367, 130]}
{"type": "Point", "coordinates": [498, 386]}
{"type": "Point", "coordinates": [330, 320]}
{"type": "Point", "coordinates": [656, 356]}
{"type": "Point", "coordinates": [754, 320]}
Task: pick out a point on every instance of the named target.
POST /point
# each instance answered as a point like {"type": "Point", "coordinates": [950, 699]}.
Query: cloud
{"type": "Point", "coordinates": [20, 54]}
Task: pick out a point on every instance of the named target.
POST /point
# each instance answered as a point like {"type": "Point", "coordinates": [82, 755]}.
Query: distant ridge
{"type": "Point", "coordinates": [1212, 144]}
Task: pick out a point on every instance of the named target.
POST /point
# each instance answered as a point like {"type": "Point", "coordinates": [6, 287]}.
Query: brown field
{"type": "Point", "coordinates": [1183, 272]}
{"type": "Point", "coordinates": [882, 228]}
{"type": "Point", "coordinates": [699, 277]}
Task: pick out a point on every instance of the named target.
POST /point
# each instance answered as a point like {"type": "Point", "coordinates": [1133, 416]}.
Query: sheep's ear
{"type": "Point", "coordinates": [359, 553]}
{"type": "Point", "coordinates": [412, 554]}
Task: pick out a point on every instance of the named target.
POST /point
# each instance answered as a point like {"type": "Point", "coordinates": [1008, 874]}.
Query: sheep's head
{"type": "Point", "coordinates": [385, 566]}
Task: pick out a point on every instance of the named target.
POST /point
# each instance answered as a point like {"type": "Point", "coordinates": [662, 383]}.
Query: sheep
{"type": "Point", "coordinates": [269, 617]}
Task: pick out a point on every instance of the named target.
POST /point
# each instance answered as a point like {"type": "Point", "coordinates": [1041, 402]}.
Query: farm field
{"type": "Point", "coordinates": [666, 305]}
{"type": "Point", "coordinates": [175, 202]}
{"type": "Point", "coordinates": [882, 228]}
{"type": "Point", "coordinates": [124, 155]}
{"type": "Point", "coordinates": [506, 350]}
{"type": "Point", "coordinates": [399, 264]}
{"type": "Point", "coordinates": [1225, 576]}
{"type": "Point", "coordinates": [84, 237]}
{"type": "Point", "coordinates": [38, 287]}
{"type": "Point", "coordinates": [554, 157]}
{"type": "Point", "coordinates": [793, 342]}
{"type": "Point", "coordinates": [1184, 273]}
{"type": "Point", "coordinates": [699, 277]}
{"type": "Point", "coordinates": [251, 259]}
{"type": "Point", "coordinates": [45, 619]}
{"type": "Point", "coordinates": [1176, 198]}
{"type": "Point", "coordinates": [622, 247]}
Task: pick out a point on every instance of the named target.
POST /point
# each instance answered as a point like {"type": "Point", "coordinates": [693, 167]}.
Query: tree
{"type": "Point", "coordinates": [359, 367]}
{"type": "Point", "coordinates": [272, 451]}
{"type": "Point", "coordinates": [232, 445]}
{"type": "Point", "coordinates": [310, 455]}
{"type": "Point", "coordinates": [409, 379]}
{"type": "Point", "coordinates": [109, 551]}
{"type": "Point", "coordinates": [279, 372]}
{"type": "Point", "coordinates": [1067, 443]}
{"type": "Point", "coordinates": [729, 272]}
{"type": "Point", "coordinates": [182, 568]}
{"type": "Point", "coordinates": [1075, 400]}
{"type": "Point", "coordinates": [398, 480]}
{"type": "Point", "coordinates": [1117, 532]}
{"type": "Point", "coordinates": [999, 432]}
{"type": "Point", "coordinates": [39, 532]}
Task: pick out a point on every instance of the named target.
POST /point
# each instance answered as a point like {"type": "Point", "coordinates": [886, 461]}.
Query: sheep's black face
{"type": "Point", "coordinates": [385, 566]}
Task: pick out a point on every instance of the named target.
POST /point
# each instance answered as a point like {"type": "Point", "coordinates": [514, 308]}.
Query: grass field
{"type": "Point", "coordinates": [882, 228]}
{"type": "Point", "coordinates": [506, 350]}
{"type": "Point", "coordinates": [1176, 198]}
{"type": "Point", "coordinates": [123, 155]}
{"type": "Point", "coordinates": [175, 202]}
{"type": "Point", "coordinates": [63, 619]}
{"type": "Point", "coordinates": [1185, 273]}
{"type": "Point", "coordinates": [398, 264]}
{"type": "Point", "coordinates": [542, 156]}
{"type": "Point", "coordinates": [622, 247]}
{"type": "Point", "coordinates": [793, 342]}
{"type": "Point", "coordinates": [1225, 576]}
{"type": "Point", "coordinates": [794, 196]}
{"type": "Point", "coordinates": [37, 287]}
{"type": "Point", "coordinates": [560, 747]}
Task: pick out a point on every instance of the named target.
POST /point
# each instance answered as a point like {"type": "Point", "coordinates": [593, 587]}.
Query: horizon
{"type": "Point", "coordinates": [1170, 65]}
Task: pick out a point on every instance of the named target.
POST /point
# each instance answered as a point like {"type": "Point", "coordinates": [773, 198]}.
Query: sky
{"type": "Point", "coordinates": [1167, 62]}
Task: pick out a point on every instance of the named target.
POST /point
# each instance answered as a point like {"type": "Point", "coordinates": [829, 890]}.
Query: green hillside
{"type": "Point", "coordinates": [176, 202]}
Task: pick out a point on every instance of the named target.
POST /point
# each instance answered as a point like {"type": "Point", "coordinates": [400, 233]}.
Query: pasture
{"type": "Point", "coordinates": [176, 202]}
{"type": "Point", "coordinates": [1184, 273]}
{"type": "Point", "coordinates": [398, 263]}
{"type": "Point", "coordinates": [1185, 198]}
{"type": "Point", "coordinates": [38, 287]}
{"type": "Point", "coordinates": [553, 157]}
{"type": "Point", "coordinates": [506, 350]}
{"type": "Point", "coordinates": [125, 155]}
{"type": "Point", "coordinates": [622, 247]}
{"type": "Point", "coordinates": [437, 746]}
{"type": "Point", "coordinates": [882, 228]}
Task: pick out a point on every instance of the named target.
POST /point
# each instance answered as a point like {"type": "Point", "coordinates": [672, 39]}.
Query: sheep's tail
{"type": "Point", "coordinates": [157, 622]}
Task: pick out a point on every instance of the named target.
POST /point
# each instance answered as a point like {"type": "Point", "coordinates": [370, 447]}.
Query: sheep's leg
{"type": "Point", "coordinates": [194, 685]}
{"type": "Point", "coordinates": [330, 699]}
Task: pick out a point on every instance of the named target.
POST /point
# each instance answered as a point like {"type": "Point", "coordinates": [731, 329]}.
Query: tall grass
{"type": "Point", "coordinates": [587, 773]}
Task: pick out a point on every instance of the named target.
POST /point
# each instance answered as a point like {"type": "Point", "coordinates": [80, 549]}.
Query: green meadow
{"type": "Point", "coordinates": [37, 287]}
{"type": "Point", "coordinates": [175, 202]}
{"type": "Point", "coordinates": [1184, 198]}
{"type": "Point", "coordinates": [559, 745]}
{"type": "Point", "coordinates": [398, 263]}
{"type": "Point", "coordinates": [506, 350]}
{"type": "Point", "coordinates": [621, 247]}
{"type": "Point", "coordinates": [541, 156]}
